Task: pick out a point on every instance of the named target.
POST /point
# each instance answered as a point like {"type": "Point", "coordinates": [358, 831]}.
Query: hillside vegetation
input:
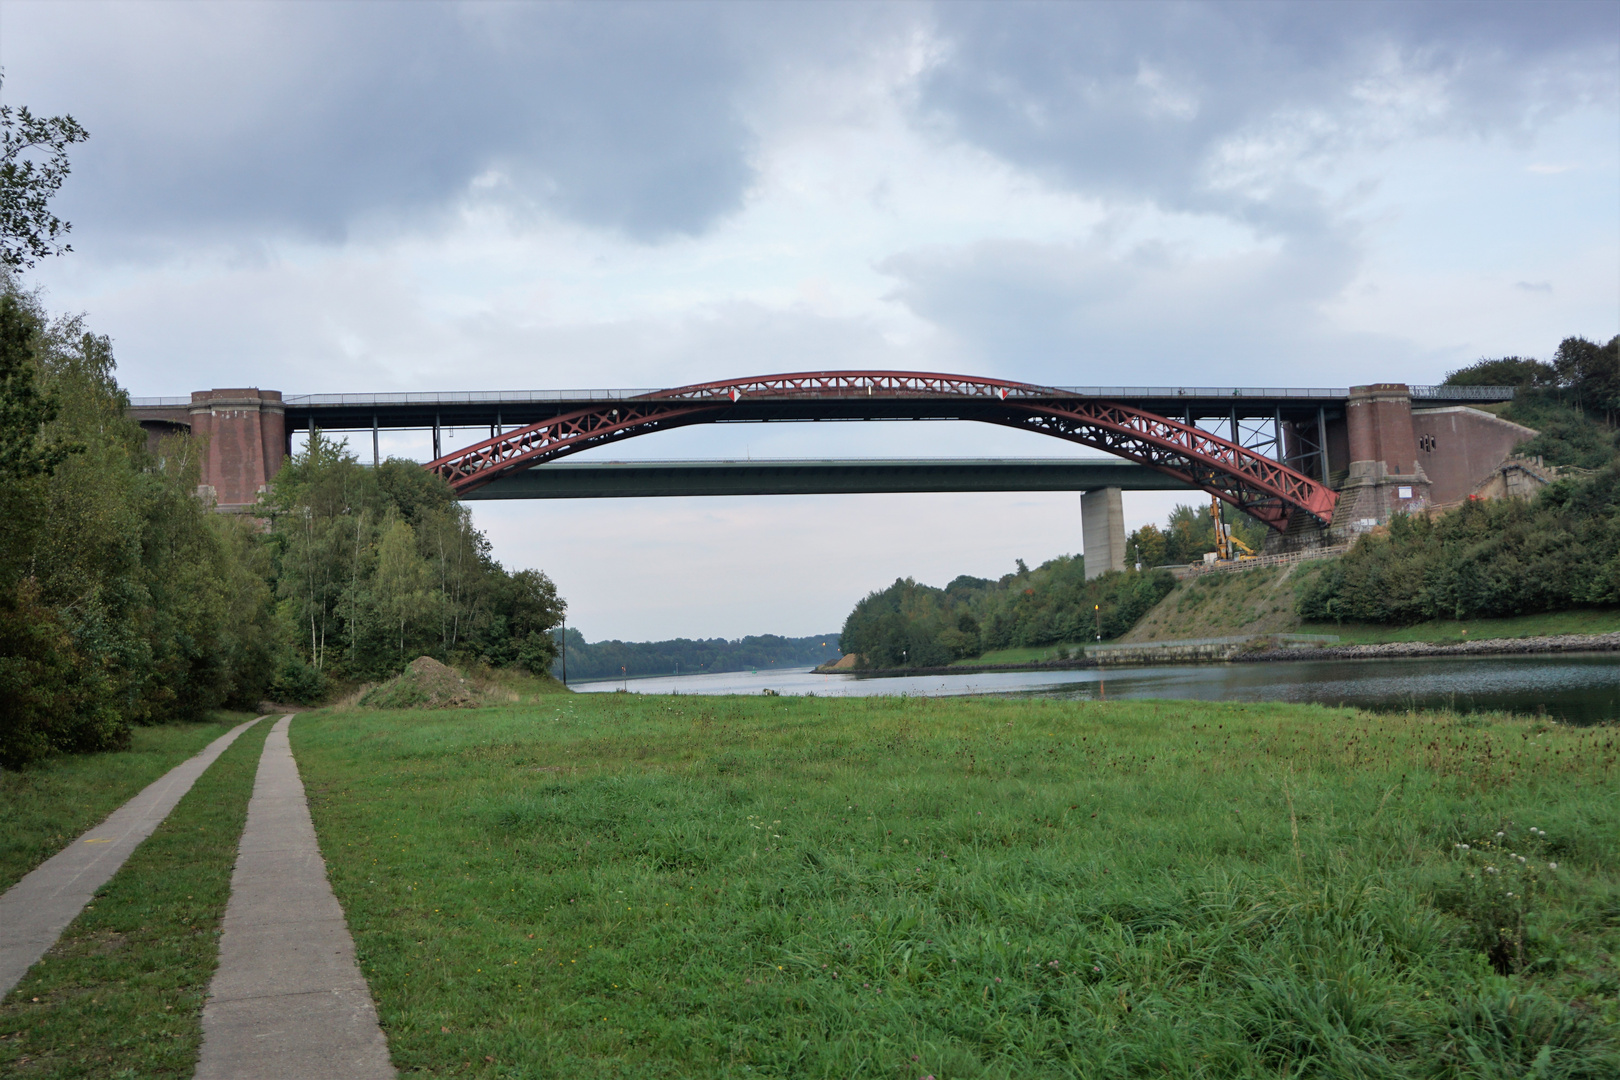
{"type": "Point", "coordinates": [1259, 601]}
{"type": "Point", "coordinates": [910, 624]}
{"type": "Point", "coordinates": [1573, 400]}
{"type": "Point", "coordinates": [1484, 559]}
{"type": "Point", "coordinates": [124, 600]}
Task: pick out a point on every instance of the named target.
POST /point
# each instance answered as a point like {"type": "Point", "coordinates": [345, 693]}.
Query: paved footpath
{"type": "Point", "coordinates": [35, 911]}
{"type": "Point", "coordinates": [288, 1001]}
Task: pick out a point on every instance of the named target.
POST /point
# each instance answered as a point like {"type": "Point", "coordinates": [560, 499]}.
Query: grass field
{"type": "Point", "coordinates": [626, 885]}
{"type": "Point", "coordinates": [45, 806]}
{"type": "Point", "coordinates": [121, 994]}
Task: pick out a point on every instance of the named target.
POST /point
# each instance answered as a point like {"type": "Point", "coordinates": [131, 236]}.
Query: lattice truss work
{"type": "Point", "coordinates": [1240, 474]}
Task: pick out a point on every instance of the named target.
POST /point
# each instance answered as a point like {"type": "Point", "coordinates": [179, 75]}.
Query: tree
{"type": "Point", "coordinates": [1591, 372]}
{"type": "Point", "coordinates": [1518, 371]}
{"type": "Point", "coordinates": [33, 164]}
{"type": "Point", "coordinates": [400, 583]}
{"type": "Point", "coordinates": [24, 408]}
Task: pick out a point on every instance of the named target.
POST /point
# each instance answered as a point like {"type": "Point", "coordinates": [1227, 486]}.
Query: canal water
{"type": "Point", "coordinates": [1581, 688]}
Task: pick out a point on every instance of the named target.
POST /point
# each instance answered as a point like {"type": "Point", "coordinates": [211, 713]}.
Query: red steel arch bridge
{"type": "Point", "coordinates": [1290, 456]}
{"type": "Point", "coordinates": [1226, 467]}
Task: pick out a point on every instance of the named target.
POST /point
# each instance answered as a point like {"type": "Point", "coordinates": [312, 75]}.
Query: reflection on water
{"type": "Point", "coordinates": [1580, 688]}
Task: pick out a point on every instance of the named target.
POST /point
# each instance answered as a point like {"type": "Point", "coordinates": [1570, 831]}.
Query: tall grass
{"type": "Point", "coordinates": [606, 885]}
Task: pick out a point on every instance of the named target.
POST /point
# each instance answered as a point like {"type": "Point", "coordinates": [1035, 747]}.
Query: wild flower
{"type": "Point", "coordinates": [1499, 914]}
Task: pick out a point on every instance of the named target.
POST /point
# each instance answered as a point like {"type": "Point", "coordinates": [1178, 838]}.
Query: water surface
{"type": "Point", "coordinates": [1580, 688]}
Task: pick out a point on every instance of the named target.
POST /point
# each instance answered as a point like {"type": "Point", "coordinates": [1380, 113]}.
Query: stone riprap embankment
{"type": "Point", "coordinates": [1398, 649]}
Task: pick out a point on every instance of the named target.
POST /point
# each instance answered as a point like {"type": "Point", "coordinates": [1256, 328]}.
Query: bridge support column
{"type": "Point", "coordinates": [246, 436]}
{"type": "Point", "coordinates": [1102, 529]}
{"type": "Point", "coordinates": [1385, 478]}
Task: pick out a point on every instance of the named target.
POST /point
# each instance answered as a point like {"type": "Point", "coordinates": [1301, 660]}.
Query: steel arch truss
{"type": "Point", "coordinates": [1250, 481]}
{"type": "Point", "coordinates": [1255, 484]}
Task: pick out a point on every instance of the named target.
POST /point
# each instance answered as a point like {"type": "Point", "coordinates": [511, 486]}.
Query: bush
{"type": "Point", "coordinates": [297, 682]}
{"type": "Point", "coordinates": [1483, 560]}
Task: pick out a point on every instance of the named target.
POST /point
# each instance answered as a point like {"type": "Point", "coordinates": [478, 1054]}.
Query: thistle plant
{"type": "Point", "coordinates": [1502, 876]}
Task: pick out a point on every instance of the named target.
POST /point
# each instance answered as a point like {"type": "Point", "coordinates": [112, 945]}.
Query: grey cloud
{"type": "Point", "coordinates": [1080, 314]}
{"type": "Point", "coordinates": [309, 118]}
{"type": "Point", "coordinates": [1533, 286]}
{"type": "Point", "coordinates": [1139, 99]}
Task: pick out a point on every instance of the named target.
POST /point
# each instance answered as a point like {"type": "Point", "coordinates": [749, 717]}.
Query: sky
{"type": "Point", "coordinates": [357, 197]}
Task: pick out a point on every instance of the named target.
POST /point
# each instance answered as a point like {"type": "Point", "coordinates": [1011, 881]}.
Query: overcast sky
{"type": "Point", "coordinates": [367, 197]}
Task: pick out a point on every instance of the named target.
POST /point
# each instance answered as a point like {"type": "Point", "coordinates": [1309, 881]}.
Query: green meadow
{"type": "Point", "coordinates": [626, 885]}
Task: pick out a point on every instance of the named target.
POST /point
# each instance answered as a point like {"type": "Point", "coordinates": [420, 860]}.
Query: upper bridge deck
{"type": "Point", "coordinates": [516, 408]}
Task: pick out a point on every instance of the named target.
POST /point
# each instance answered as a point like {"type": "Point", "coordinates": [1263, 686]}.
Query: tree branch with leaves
{"type": "Point", "coordinates": [33, 164]}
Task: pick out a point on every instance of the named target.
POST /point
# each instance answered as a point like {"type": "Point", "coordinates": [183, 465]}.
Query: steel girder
{"type": "Point", "coordinates": [1252, 482]}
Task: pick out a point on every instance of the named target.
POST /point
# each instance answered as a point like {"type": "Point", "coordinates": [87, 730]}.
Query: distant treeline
{"type": "Point", "coordinates": [618, 659]}
{"type": "Point", "coordinates": [914, 625]}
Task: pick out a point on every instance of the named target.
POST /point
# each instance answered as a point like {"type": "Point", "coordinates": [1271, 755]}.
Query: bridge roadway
{"type": "Point", "coordinates": [642, 479]}
{"type": "Point", "coordinates": [505, 409]}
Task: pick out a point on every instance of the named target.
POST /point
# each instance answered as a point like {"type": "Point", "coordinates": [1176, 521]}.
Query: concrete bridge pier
{"type": "Point", "coordinates": [1102, 530]}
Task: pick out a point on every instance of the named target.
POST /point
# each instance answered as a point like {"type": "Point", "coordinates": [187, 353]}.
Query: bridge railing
{"type": "Point", "coordinates": [1461, 393]}
{"type": "Point", "coordinates": [520, 397]}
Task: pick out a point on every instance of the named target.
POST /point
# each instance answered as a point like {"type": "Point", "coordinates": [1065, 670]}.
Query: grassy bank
{"type": "Point", "coordinates": [46, 805]}
{"type": "Point", "coordinates": [1263, 602]}
{"type": "Point", "coordinates": [1451, 630]}
{"type": "Point", "coordinates": [1226, 604]}
{"type": "Point", "coordinates": [121, 994]}
{"type": "Point", "coordinates": [1025, 654]}
{"type": "Point", "coordinates": [605, 885]}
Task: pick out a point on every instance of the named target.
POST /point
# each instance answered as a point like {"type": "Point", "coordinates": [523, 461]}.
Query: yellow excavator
{"type": "Point", "coordinates": [1227, 546]}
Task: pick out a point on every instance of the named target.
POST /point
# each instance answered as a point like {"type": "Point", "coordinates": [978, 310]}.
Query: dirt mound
{"type": "Point", "coordinates": [424, 684]}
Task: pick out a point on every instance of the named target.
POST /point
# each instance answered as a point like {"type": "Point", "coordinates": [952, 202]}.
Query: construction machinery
{"type": "Point", "coordinates": [1227, 547]}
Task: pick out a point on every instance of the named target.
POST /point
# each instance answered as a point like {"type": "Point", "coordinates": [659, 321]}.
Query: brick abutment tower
{"type": "Point", "coordinates": [246, 434]}
{"type": "Point", "coordinates": [1385, 477]}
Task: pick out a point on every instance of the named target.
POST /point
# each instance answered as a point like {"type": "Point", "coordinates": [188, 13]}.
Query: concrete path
{"type": "Point", "coordinates": [288, 1001]}
{"type": "Point", "coordinates": [35, 911]}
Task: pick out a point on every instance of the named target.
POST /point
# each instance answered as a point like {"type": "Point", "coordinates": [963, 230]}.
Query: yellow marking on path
{"type": "Point", "coordinates": [100, 840]}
